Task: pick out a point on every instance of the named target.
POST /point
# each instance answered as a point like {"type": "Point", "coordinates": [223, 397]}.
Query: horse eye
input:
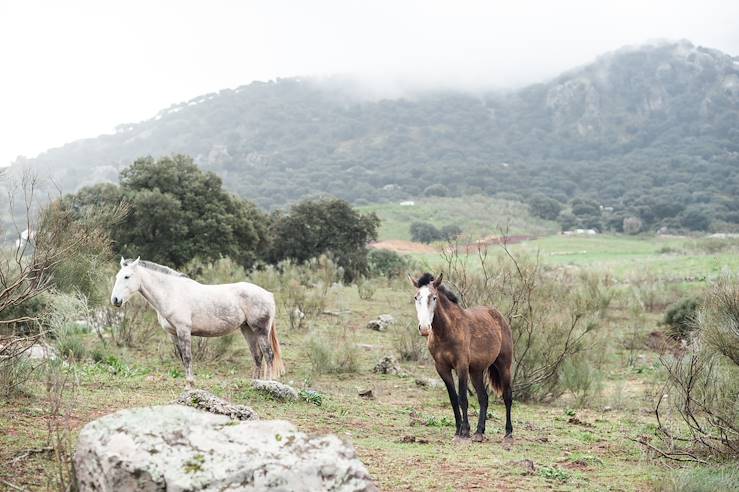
{"type": "Point", "coordinates": [434, 297]}
{"type": "Point", "coordinates": [126, 277]}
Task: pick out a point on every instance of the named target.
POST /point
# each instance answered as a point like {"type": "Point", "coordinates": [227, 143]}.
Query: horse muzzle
{"type": "Point", "coordinates": [424, 331]}
{"type": "Point", "coordinates": [116, 301]}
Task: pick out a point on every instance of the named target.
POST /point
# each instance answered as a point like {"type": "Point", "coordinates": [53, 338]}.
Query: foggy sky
{"type": "Point", "coordinates": [75, 69]}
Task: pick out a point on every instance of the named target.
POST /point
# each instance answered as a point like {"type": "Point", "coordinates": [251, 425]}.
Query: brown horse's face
{"type": "Point", "coordinates": [425, 300]}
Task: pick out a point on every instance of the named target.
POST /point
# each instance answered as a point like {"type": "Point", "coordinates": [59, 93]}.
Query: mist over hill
{"type": "Point", "coordinates": [650, 131]}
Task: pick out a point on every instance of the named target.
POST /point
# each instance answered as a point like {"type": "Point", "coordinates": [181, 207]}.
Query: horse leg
{"type": "Point", "coordinates": [184, 344]}
{"type": "Point", "coordinates": [503, 369]}
{"type": "Point", "coordinates": [446, 375]}
{"type": "Point", "coordinates": [478, 381]}
{"type": "Point", "coordinates": [269, 355]}
{"type": "Point", "coordinates": [463, 376]}
{"type": "Point", "coordinates": [256, 352]}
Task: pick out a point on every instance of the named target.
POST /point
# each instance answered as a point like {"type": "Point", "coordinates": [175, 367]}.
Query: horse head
{"type": "Point", "coordinates": [127, 281]}
{"type": "Point", "coordinates": [427, 294]}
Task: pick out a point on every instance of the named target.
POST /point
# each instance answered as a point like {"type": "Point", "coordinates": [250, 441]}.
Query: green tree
{"type": "Point", "coordinates": [178, 212]}
{"type": "Point", "coordinates": [424, 232]}
{"type": "Point", "coordinates": [324, 226]}
{"type": "Point", "coordinates": [545, 207]}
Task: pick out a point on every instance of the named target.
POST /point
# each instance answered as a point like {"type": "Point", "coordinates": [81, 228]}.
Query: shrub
{"type": "Point", "coordinates": [409, 345]}
{"type": "Point", "coordinates": [703, 382]}
{"type": "Point", "coordinates": [423, 232]}
{"type": "Point", "coordinates": [632, 225]}
{"type": "Point", "coordinates": [582, 379]}
{"type": "Point", "coordinates": [365, 289]}
{"type": "Point", "coordinates": [332, 355]}
{"type": "Point", "coordinates": [386, 263]}
{"type": "Point", "coordinates": [553, 315]}
{"type": "Point", "coordinates": [680, 318]}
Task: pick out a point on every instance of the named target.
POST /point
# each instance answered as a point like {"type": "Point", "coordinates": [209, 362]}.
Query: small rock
{"type": "Point", "coordinates": [366, 394]}
{"type": "Point", "coordinates": [40, 351]}
{"type": "Point", "coordinates": [209, 402]}
{"type": "Point", "coordinates": [527, 465]}
{"type": "Point", "coordinates": [276, 389]}
{"type": "Point", "coordinates": [387, 365]}
{"type": "Point", "coordinates": [427, 383]}
{"type": "Point", "coordinates": [607, 408]}
{"type": "Point", "coordinates": [382, 322]}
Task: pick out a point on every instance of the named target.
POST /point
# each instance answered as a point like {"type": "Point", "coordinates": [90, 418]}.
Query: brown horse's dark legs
{"type": "Point", "coordinates": [464, 430]}
{"type": "Point", "coordinates": [508, 400]}
{"type": "Point", "coordinates": [478, 382]}
{"type": "Point", "coordinates": [446, 376]}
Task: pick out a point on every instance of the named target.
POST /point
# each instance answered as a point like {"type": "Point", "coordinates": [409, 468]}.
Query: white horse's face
{"type": "Point", "coordinates": [127, 282]}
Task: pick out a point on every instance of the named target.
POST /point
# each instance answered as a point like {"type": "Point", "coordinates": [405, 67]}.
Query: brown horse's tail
{"type": "Point", "coordinates": [494, 380]}
{"type": "Point", "coordinates": [278, 367]}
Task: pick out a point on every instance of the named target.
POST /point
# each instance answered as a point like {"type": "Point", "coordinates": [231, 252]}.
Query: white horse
{"type": "Point", "coordinates": [186, 307]}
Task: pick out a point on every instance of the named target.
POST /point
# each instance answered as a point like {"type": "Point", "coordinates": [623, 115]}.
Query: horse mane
{"type": "Point", "coordinates": [156, 267]}
{"type": "Point", "coordinates": [427, 278]}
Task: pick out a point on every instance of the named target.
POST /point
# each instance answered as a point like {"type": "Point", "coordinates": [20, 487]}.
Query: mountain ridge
{"type": "Point", "coordinates": [673, 107]}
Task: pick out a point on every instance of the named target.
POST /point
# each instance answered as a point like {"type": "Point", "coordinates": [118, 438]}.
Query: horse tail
{"type": "Point", "coordinates": [494, 380]}
{"type": "Point", "coordinates": [278, 367]}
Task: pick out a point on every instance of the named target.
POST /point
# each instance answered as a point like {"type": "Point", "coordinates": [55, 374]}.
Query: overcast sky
{"type": "Point", "coordinates": [73, 69]}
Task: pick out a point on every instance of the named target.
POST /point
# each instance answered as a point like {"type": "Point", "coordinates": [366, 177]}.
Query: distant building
{"type": "Point", "coordinates": [407, 203]}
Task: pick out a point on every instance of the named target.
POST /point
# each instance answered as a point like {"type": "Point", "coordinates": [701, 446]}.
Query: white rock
{"type": "Point", "coordinates": [178, 448]}
{"type": "Point", "coordinates": [276, 389]}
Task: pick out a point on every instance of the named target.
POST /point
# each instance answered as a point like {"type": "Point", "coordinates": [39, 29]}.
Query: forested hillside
{"type": "Point", "coordinates": [648, 134]}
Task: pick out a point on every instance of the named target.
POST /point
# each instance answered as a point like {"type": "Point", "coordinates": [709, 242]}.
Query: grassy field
{"type": "Point", "coordinates": [404, 434]}
{"type": "Point", "coordinates": [477, 216]}
{"type": "Point", "coordinates": [670, 258]}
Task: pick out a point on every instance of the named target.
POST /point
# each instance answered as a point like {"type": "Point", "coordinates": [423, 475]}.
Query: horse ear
{"type": "Point", "coordinates": [437, 282]}
{"type": "Point", "coordinates": [135, 262]}
{"type": "Point", "coordinates": [414, 283]}
{"type": "Point", "coordinates": [123, 261]}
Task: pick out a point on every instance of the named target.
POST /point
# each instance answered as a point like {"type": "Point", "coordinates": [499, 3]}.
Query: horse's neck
{"type": "Point", "coordinates": [443, 325]}
{"type": "Point", "coordinates": [157, 288]}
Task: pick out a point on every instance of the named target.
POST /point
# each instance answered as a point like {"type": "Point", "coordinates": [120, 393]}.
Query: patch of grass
{"type": "Point", "coordinates": [311, 396]}
{"type": "Point", "coordinates": [477, 216]}
{"type": "Point", "coordinates": [553, 473]}
{"type": "Point", "coordinates": [702, 479]}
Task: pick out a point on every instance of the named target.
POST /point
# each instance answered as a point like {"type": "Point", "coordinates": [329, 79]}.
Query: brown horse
{"type": "Point", "coordinates": [469, 341]}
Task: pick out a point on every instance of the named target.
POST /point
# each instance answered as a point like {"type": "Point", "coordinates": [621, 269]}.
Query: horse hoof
{"type": "Point", "coordinates": [461, 439]}
{"type": "Point", "coordinates": [508, 437]}
{"type": "Point", "coordinates": [477, 437]}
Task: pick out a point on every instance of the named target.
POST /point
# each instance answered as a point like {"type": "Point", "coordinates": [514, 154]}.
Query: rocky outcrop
{"type": "Point", "coordinates": [209, 402]}
{"type": "Point", "coordinates": [387, 365]}
{"type": "Point", "coordinates": [275, 389]}
{"type": "Point", "coordinates": [382, 322]}
{"type": "Point", "coordinates": [177, 448]}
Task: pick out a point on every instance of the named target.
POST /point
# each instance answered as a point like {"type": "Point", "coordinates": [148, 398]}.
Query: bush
{"type": "Point", "coordinates": [582, 379]}
{"type": "Point", "coordinates": [386, 263]}
{"type": "Point", "coordinates": [409, 344]}
{"type": "Point", "coordinates": [632, 225]}
{"type": "Point", "coordinates": [680, 318]}
{"type": "Point", "coordinates": [332, 355]}
{"type": "Point", "coordinates": [365, 289]}
{"type": "Point", "coordinates": [703, 382]}
{"type": "Point", "coordinates": [553, 315]}
{"type": "Point", "coordinates": [423, 232]}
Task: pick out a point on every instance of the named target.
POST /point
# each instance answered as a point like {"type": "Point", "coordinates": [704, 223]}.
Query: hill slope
{"type": "Point", "coordinates": [649, 123]}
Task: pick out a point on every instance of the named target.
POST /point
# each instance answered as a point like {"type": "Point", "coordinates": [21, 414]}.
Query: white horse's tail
{"type": "Point", "coordinates": [278, 367]}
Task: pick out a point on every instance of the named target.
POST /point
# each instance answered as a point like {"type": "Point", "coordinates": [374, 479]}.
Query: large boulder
{"type": "Point", "coordinates": [178, 448]}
